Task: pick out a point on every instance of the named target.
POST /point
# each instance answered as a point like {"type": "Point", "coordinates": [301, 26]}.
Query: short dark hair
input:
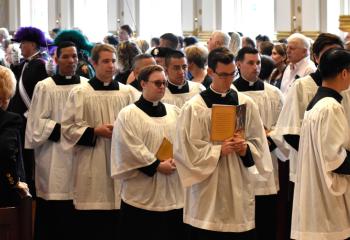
{"type": "Point", "coordinates": [267, 66]}
{"type": "Point", "coordinates": [155, 40]}
{"type": "Point", "coordinates": [262, 38]}
{"type": "Point", "coordinates": [323, 40]}
{"type": "Point", "coordinates": [62, 45]}
{"type": "Point", "coordinates": [140, 57]}
{"type": "Point", "coordinates": [334, 61]}
{"type": "Point", "coordinates": [173, 54]}
{"type": "Point", "coordinates": [172, 39]}
{"type": "Point", "coordinates": [191, 40]}
{"type": "Point", "coordinates": [113, 40]}
{"type": "Point", "coordinates": [147, 71]}
{"type": "Point", "coordinates": [243, 51]}
{"type": "Point", "coordinates": [127, 29]}
{"type": "Point", "coordinates": [222, 55]}
{"type": "Point", "coordinates": [250, 42]}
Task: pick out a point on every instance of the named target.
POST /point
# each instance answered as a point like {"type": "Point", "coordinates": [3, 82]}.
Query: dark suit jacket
{"type": "Point", "coordinates": [11, 163]}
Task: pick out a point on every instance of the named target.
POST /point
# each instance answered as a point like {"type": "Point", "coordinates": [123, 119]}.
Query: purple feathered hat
{"type": "Point", "coordinates": [31, 34]}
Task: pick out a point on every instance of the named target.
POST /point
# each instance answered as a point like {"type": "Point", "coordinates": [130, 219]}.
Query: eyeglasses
{"type": "Point", "coordinates": [227, 75]}
{"type": "Point", "coordinates": [159, 83]}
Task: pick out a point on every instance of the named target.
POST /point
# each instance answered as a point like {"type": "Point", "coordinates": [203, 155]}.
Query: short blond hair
{"type": "Point", "coordinates": [7, 83]}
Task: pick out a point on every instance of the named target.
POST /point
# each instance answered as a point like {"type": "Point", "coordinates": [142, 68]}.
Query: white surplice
{"type": "Point", "coordinates": [321, 206]}
{"type": "Point", "coordinates": [269, 102]}
{"type": "Point", "coordinates": [94, 187]}
{"type": "Point", "coordinates": [219, 191]}
{"type": "Point", "coordinates": [53, 164]}
{"type": "Point", "coordinates": [136, 139]}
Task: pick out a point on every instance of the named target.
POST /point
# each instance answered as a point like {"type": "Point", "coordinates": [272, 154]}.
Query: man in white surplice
{"type": "Point", "coordinates": [219, 177]}
{"type": "Point", "coordinates": [322, 195]}
{"type": "Point", "coordinates": [151, 192]}
{"type": "Point", "coordinates": [53, 165]}
{"type": "Point", "coordinates": [87, 125]}
{"type": "Point", "coordinates": [270, 101]}
{"type": "Point", "coordinates": [179, 89]}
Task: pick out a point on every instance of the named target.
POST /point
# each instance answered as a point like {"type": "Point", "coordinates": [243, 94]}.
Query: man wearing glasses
{"type": "Point", "coordinates": [151, 192]}
{"type": "Point", "coordinates": [219, 177]}
{"type": "Point", "coordinates": [179, 89]}
{"type": "Point", "coordinates": [270, 101]}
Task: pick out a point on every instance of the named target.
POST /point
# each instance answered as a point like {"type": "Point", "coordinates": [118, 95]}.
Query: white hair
{"type": "Point", "coordinates": [223, 37]}
{"type": "Point", "coordinates": [300, 38]}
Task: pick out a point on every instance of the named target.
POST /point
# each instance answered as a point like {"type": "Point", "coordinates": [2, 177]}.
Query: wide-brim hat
{"type": "Point", "coordinates": [75, 36]}
{"type": "Point", "coordinates": [31, 34]}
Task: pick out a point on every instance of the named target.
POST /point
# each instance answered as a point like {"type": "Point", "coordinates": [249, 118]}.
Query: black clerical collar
{"type": "Point", "coordinates": [316, 76]}
{"type": "Point", "coordinates": [98, 85]}
{"type": "Point", "coordinates": [211, 97]}
{"type": "Point", "coordinates": [177, 89]}
{"type": "Point", "coordinates": [152, 109]}
{"type": "Point", "coordinates": [323, 92]}
{"type": "Point", "coordinates": [66, 80]}
{"type": "Point", "coordinates": [243, 85]}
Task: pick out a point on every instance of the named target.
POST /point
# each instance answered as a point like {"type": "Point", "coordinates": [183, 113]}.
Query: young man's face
{"type": "Point", "coordinates": [67, 61]}
{"type": "Point", "coordinates": [250, 67]}
{"type": "Point", "coordinates": [105, 68]}
{"type": "Point", "coordinates": [223, 75]}
{"type": "Point", "coordinates": [154, 88]}
{"type": "Point", "coordinates": [177, 70]}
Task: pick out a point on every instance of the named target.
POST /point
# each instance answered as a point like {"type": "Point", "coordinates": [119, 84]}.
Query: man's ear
{"type": "Point", "coordinates": [238, 64]}
{"type": "Point", "coordinates": [143, 84]}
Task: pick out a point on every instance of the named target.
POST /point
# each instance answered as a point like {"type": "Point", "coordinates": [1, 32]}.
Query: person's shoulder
{"type": "Point", "coordinates": [10, 120]}
{"type": "Point", "coordinates": [196, 86]}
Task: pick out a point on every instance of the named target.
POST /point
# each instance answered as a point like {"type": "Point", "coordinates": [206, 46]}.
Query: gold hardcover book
{"type": "Point", "coordinates": [227, 120]}
{"type": "Point", "coordinates": [165, 150]}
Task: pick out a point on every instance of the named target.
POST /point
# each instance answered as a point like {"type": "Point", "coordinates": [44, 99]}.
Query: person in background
{"type": "Point", "coordinates": [126, 52]}
{"type": "Point", "coordinates": [300, 64]}
{"type": "Point", "coordinates": [279, 56]}
{"type": "Point", "coordinates": [111, 39]}
{"type": "Point", "coordinates": [248, 42]}
{"type": "Point", "coordinates": [139, 62]}
{"type": "Point", "coordinates": [12, 175]}
{"type": "Point", "coordinates": [267, 66]}
{"type": "Point", "coordinates": [28, 72]}
{"type": "Point", "coordinates": [169, 40]}
{"type": "Point", "coordinates": [191, 40]}
{"type": "Point", "coordinates": [197, 58]}
{"type": "Point", "coordinates": [218, 39]}
{"type": "Point", "coordinates": [125, 33]}
{"type": "Point", "coordinates": [155, 42]}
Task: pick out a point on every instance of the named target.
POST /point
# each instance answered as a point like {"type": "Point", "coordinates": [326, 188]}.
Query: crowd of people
{"type": "Point", "coordinates": [82, 126]}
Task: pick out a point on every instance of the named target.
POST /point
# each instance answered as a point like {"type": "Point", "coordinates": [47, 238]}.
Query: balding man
{"type": "Point", "coordinates": [300, 65]}
{"type": "Point", "coordinates": [218, 39]}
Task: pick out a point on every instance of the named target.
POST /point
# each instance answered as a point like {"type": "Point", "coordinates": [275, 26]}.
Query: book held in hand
{"type": "Point", "coordinates": [227, 120]}
{"type": "Point", "coordinates": [165, 150]}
